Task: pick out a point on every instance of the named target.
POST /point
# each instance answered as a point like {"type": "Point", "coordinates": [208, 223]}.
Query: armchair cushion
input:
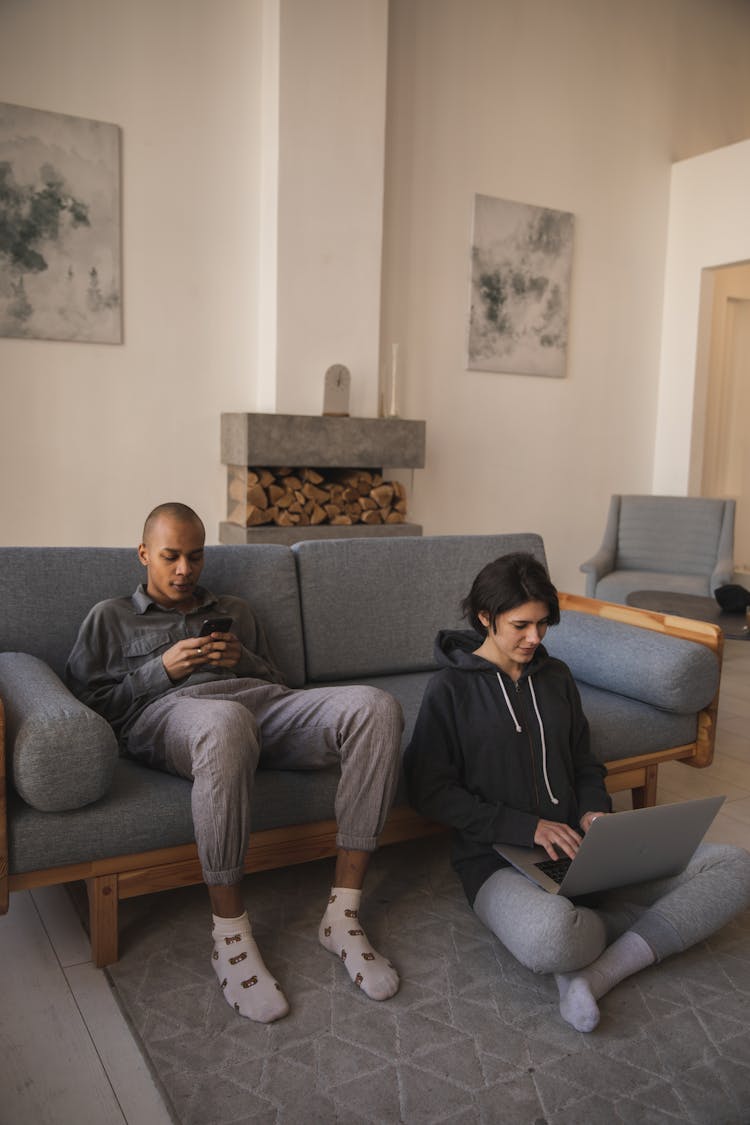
{"type": "Point", "coordinates": [61, 754]}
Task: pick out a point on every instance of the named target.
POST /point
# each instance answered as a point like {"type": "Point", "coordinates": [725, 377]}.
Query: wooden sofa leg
{"type": "Point", "coordinates": [645, 795]}
{"type": "Point", "coordinates": [103, 904]}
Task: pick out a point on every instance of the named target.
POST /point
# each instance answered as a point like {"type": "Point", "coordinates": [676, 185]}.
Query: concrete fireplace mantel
{"type": "Point", "coordinates": [319, 442]}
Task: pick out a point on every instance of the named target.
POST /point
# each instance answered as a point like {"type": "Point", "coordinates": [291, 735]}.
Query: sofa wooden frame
{"type": "Point", "coordinates": [125, 876]}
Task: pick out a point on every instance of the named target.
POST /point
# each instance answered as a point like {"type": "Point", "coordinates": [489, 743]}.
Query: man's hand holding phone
{"type": "Point", "coordinates": [215, 645]}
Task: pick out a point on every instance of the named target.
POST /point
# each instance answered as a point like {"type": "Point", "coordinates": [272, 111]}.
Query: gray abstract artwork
{"type": "Point", "coordinates": [59, 227]}
{"type": "Point", "coordinates": [520, 288]}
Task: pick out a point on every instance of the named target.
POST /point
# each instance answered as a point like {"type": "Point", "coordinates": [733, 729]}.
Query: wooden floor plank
{"type": "Point", "coordinates": [50, 1071]}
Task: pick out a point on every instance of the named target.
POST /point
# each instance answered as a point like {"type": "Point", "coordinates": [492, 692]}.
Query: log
{"type": "Point", "coordinates": [313, 493]}
{"type": "Point", "coordinates": [257, 516]}
{"type": "Point", "coordinates": [382, 495]}
{"type": "Point", "coordinates": [256, 496]}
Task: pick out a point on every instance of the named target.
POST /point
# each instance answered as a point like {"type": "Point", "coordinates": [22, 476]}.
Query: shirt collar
{"type": "Point", "coordinates": [143, 602]}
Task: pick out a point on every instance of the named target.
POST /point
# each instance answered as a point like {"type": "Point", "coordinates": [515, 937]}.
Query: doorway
{"type": "Point", "coordinates": [724, 354]}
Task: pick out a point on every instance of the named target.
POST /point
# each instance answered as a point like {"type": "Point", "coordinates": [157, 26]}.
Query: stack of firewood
{"type": "Point", "coordinates": [305, 497]}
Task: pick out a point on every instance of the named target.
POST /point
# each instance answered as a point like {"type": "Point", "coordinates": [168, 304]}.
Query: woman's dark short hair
{"type": "Point", "coordinates": [506, 583]}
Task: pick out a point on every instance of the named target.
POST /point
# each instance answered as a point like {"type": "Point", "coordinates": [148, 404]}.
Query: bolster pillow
{"type": "Point", "coordinates": [668, 672]}
{"type": "Point", "coordinates": [61, 755]}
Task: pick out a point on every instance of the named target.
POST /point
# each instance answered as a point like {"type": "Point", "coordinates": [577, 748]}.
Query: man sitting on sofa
{"type": "Point", "coordinates": [208, 708]}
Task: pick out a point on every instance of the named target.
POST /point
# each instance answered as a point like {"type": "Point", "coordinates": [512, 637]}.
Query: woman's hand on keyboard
{"type": "Point", "coordinates": [556, 838]}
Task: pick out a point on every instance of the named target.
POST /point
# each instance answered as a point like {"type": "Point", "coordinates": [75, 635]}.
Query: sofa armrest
{"type": "Point", "coordinates": [699, 632]}
{"type": "Point", "coordinates": [724, 567]}
{"type": "Point", "coordinates": [722, 573]}
{"type": "Point", "coordinates": [597, 567]}
{"type": "Point", "coordinates": [603, 562]}
{"type": "Point", "coordinates": [60, 754]}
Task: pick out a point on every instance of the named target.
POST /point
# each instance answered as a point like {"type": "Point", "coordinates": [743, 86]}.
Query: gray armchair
{"type": "Point", "coordinates": [683, 544]}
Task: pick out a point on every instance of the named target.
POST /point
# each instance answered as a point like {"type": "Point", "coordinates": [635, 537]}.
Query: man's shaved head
{"type": "Point", "coordinates": [174, 511]}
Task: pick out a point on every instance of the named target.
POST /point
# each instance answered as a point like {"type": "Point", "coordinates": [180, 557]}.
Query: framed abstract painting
{"type": "Point", "coordinates": [59, 227]}
{"type": "Point", "coordinates": [521, 259]}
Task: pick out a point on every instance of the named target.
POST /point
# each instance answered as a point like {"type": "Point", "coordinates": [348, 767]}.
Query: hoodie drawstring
{"type": "Point", "coordinates": [517, 725]}
{"type": "Point", "coordinates": [507, 704]}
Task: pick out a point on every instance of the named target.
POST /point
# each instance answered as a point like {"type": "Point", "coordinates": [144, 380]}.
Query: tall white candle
{"type": "Point", "coordinates": [393, 412]}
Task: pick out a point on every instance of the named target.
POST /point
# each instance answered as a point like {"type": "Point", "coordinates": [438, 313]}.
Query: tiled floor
{"type": "Point", "coordinates": [66, 1054]}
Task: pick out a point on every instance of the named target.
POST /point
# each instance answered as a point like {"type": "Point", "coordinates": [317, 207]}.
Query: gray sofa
{"type": "Point", "coordinates": [336, 611]}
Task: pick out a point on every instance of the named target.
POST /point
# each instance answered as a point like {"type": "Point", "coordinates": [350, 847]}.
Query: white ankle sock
{"type": "Point", "coordinates": [580, 991]}
{"type": "Point", "coordinates": [341, 933]}
{"type": "Point", "coordinates": [245, 981]}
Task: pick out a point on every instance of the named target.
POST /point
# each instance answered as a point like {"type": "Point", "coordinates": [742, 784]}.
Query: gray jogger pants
{"type": "Point", "coordinates": [216, 734]}
{"type": "Point", "coordinates": [551, 934]}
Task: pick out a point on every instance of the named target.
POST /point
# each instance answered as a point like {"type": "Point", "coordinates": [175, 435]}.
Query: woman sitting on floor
{"type": "Point", "coordinates": [501, 754]}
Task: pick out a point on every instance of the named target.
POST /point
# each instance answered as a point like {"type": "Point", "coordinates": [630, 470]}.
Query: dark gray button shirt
{"type": "Point", "coordinates": [116, 669]}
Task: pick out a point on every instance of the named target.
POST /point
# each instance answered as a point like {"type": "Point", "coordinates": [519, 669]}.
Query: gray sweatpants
{"type": "Point", "coordinates": [551, 934]}
{"type": "Point", "coordinates": [217, 734]}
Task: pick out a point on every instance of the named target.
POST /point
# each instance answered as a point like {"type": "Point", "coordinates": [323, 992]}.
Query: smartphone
{"type": "Point", "coordinates": [215, 625]}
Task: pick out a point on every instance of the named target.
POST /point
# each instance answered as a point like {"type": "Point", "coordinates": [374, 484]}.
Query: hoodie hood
{"type": "Point", "coordinates": [455, 648]}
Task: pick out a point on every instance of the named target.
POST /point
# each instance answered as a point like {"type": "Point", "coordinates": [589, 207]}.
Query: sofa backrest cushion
{"type": "Point", "coordinates": [674, 674]}
{"type": "Point", "coordinates": [372, 607]}
{"type": "Point", "coordinates": [62, 755]}
{"type": "Point", "coordinates": [45, 593]}
{"type": "Point", "coordinates": [669, 534]}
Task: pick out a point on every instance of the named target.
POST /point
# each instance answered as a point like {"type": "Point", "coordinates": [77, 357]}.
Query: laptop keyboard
{"type": "Point", "coordinates": [557, 869]}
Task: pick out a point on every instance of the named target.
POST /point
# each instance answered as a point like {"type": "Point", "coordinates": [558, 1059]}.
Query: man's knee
{"type": "Point", "coordinates": [382, 709]}
{"type": "Point", "coordinates": [227, 734]}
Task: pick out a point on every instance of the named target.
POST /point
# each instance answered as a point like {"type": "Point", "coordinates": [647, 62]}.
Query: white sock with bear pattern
{"type": "Point", "coordinates": [341, 933]}
{"type": "Point", "coordinates": [245, 981]}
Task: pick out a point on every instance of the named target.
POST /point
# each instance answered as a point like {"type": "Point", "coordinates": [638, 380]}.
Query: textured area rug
{"type": "Point", "coordinates": [471, 1037]}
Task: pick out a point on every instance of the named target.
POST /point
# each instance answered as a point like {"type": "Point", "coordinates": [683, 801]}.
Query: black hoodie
{"type": "Point", "coordinates": [491, 763]}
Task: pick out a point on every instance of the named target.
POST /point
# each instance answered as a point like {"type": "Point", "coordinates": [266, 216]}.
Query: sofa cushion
{"type": "Point", "coordinates": [613, 719]}
{"type": "Point", "coordinates": [62, 755]}
{"type": "Point", "coordinates": [676, 675]}
{"type": "Point", "coordinates": [46, 592]}
{"type": "Point", "coordinates": [373, 607]}
{"type": "Point", "coordinates": [146, 809]}
{"type": "Point", "coordinates": [616, 586]}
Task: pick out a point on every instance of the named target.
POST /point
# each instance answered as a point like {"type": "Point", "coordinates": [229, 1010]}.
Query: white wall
{"type": "Point", "coordinates": [332, 90]}
{"type": "Point", "coordinates": [92, 436]}
{"type": "Point", "coordinates": [572, 106]}
{"type": "Point", "coordinates": [709, 225]}
{"type": "Point", "coordinates": [579, 106]}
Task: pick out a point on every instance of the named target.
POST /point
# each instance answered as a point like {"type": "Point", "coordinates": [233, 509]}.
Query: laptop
{"type": "Point", "coordinates": [626, 847]}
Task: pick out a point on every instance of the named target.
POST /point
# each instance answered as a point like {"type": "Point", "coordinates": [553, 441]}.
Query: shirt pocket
{"type": "Point", "coordinates": [147, 645]}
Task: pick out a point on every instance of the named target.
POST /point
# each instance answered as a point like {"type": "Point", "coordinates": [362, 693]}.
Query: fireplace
{"type": "Point", "coordinates": [292, 477]}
